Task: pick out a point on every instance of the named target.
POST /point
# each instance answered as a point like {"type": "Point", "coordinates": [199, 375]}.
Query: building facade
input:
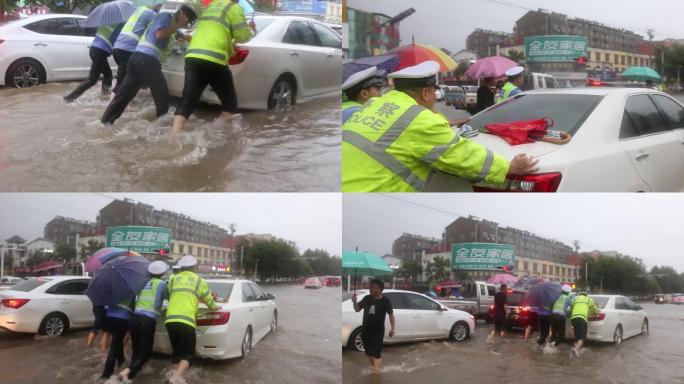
{"type": "Point", "coordinates": [14, 247]}
{"type": "Point", "coordinates": [334, 12]}
{"type": "Point", "coordinates": [409, 246]}
{"type": "Point", "coordinates": [369, 34]}
{"type": "Point", "coordinates": [63, 230]}
{"type": "Point", "coordinates": [484, 42]}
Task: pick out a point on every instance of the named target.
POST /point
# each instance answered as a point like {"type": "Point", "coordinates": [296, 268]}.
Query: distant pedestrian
{"type": "Point", "coordinates": [558, 316]}
{"type": "Point", "coordinates": [514, 83]}
{"type": "Point", "coordinates": [581, 306]}
{"type": "Point", "coordinates": [485, 95]}
{"type": "Point", "coordinates": [500, 311]}
{"type": "Point", "coordinates": [148, 307]}
{"type": "Point", "coordinates": [119, 317]}
{"type": "Point", "coordinates": [375, 307]}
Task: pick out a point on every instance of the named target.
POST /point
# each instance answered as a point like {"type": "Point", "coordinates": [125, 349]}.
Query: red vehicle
{"type": "Point", "coordinates": [677, 298]}
{"type": "Point", "coordinates": [301, 280]}
{"type": "Point", "coordinates": [332, 281]}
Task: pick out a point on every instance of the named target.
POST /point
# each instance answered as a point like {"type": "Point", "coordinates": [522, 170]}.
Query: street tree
{"type": "Point", "coordinates": [66, 6]}
{"type": "Point", "coordinates": [438, 269]}
{"type": "Point", "coordinates": [270, 259]}
{"type": "Point", "coordinates": [410, 269]}
{"type": "Point", "coordinates": [64, 252]}
{"type": "Point", "coordinates": [7, 6]}
{"type": "Point", "coordinates": [515, 55]}
{"type": "Point", "coordinates": [90, 248]}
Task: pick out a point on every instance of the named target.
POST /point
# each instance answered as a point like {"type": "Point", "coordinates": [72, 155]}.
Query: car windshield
{"type": "Point", "coordinates": [29, 285]}
{"type": "Point", "coordinates": [600, 301]}
{"type": "Point", "coordinates": [568, 112]}
{"type": "Point", "coordinates": [222, 290]}
{"type": "Point", "coordinates": [516, 298]}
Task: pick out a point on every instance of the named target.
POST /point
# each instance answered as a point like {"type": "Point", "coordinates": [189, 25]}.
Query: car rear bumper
{"type": "Point", "coordinates": [217, 343]}
{"type": "Point", "coordinates": [15, 321]}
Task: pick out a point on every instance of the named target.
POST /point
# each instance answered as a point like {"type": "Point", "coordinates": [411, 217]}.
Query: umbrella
{"type": "Point", "coordinates": [503, 278]}
{"type": "Point", "coordinates": [641, 74]}
{"type": "Point", "coordinates": [529, 282]}
{"type": "Point", "coordinates": [385, 62]}
{"type": "Point", "coordinates": [366, 264]}
{"type": "Point", "coordinates": [118, 280]}
{"type": "Point", "coordinates": [543, 295]}
{"type": "Point", "coordinates": [97, 259]}
{"type": "Point", "coordinates": [413, 54]}
{"type": "Point", "coordinates": [492, 66]}
{"type": "Point", "coordinates": [114, 12]}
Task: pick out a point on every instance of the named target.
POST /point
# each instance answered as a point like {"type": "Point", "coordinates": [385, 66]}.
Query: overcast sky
{"type": "Point", "coordinates": [309, 219]}
{"type": "Point", "coordinates": [447, 23]}
{"type": "Point", "coordinates": [648, 226]}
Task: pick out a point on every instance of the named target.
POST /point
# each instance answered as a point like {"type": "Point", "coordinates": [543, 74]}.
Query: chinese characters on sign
{"type": "Point", "coordinates": [483, 256]}
{"type": "Point", "coordinates": [139, 239]}
{"type": "Point", "coordinates": [554, 48]}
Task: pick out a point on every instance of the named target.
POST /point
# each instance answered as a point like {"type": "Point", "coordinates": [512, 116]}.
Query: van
{"type": "Point", "coordinates": [535, 80]}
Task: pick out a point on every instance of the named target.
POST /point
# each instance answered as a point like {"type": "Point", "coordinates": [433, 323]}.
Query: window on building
{"type": "Point", "coordinates": [557, 270]}
{"type": "Point", "coordinates": [607, 57]}
{"type": "Point", "coordinates": [181, 248]}
{"type": "Point", "coordinates": [527, 266]}
{"type": "Point", "coordinates": [544, 269]}
{"type": "Point", "coordinates": [190, 248]}
{"type": "Point", "coordinates": [534, 267]}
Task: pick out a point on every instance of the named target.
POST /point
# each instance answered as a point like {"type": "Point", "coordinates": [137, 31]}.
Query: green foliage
{"type": "Point", "coordinates": [674, 62]}
{"type": "Point", "coordinates": [63, 252]}
{"type": "Point", "coordinates": [273, 259]}
{"type": "Point", "coordinates": [90, 248]}
{"type": "Point", "coordinates": [65, 6]}
{"type": "Point", "coordinates": [515, 55]}
{"type": "Point", "coordinates": [410, 269]}
{"type": "Point", "coordinates": [438, 270]}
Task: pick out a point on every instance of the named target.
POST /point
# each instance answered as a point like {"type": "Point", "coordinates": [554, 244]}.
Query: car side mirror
{"type": "Point", "coordinates": [444, 308]}
{"type": "Point", "coordinates": [270, 296]}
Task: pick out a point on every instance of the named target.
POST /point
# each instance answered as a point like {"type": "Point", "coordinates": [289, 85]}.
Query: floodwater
{"type": "Point", "coordinates": [305, 349]}
{"type": "Point", "coordinates": [654, 359]}
{"type": "Point", "coordinates": [47, 145]}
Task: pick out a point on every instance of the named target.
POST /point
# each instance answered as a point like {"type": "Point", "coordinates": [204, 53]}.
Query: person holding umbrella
{"type": "Point", "coordinates": [558, 316]}
{"type": "Point", "coordinates": [147, 309]}
{"type": "Point", "coordinates": [580, 306]}
{"type": "Point", "coordinates": [186, 289]}
{"type": "Point", "coordinates": [375, 307]}
{"type": "Point", "coordinates": [359, 88]}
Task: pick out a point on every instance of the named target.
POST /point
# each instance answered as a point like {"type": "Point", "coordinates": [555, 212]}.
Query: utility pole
{"type": "Point", "coordinates": [586, 268]}
{"type": "Point", "coordinates": [256, 265]}
{"type": "Point", "coordinates": [650, 32]}
{"type": "Point", "coordinates": [242, 252]}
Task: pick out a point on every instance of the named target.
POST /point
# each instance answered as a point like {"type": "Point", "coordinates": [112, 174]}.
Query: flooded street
{"type": "Point", "coordinates": [652, 359]}
{"type": "Point", "coordinates": [304, 350]}
{"type": "Point", "coordinates": [47, 145]}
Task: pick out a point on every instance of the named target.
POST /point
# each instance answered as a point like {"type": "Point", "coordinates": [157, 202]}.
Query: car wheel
{"type": "Point", "coordinates": [283, 94]}
{"type": "Point", "coordinates": [54, 324]}
{"type": "Point", "coordinates": [25, 73]}
{"type": "Point", "coordinates": [247, 343]}
{"type": "Point", "coordinates": [274, 322]}
{"type": "Point", "coordinates": [459, 331]}
{"type": "Point", "coordinates": [356, 340]}
{"type": "Point", "coordinates": [617, 335]}
{"type": "Point", "coordinates": [644, 327]}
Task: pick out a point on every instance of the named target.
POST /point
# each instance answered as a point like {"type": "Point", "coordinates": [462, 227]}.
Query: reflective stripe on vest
{"type": "Point", "coordinates": [104, 32]}
{"type": "Point", "coordinates": [207, 52]}
{"type": "Point", "coordinates": [184, 298]}
{"type": "Point", "coordinates": [219, 19]}
{"type": "Point", "coordinates": [580, 307]}
{"type": "Point", "coordinates": [507, 89]}
{"type": "Point", "coordinates": [559, 305]}
{"type": "Point", "coordinates": [180, 317]}
{"type": "Point", "coordinates": [124, 305]}
{"type": "Point", "coordinates": [132, 22]}
{"type": "Point", "coordinates": [148, 296]}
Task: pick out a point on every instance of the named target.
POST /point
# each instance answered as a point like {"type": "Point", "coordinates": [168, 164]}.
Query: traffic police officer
{"type": "Point", "coordinates": [581, 306]}
{"type": "Point", "coordinates": [148, 306]}
{"type": "Point", "coordinates": [512, 86]}
{"type": "Point", "coordinates": [186, 289]}
{"type": "Point", "coordinates": [206, 61]}
{"type": "Point", "coordinates": [558, 315]}
{"type": "Point", "coordinates": [359, 88]}
{"type": "Point", "coordinates": [129, 37]}
{"type": "Point", "coordinates": [396, 141]}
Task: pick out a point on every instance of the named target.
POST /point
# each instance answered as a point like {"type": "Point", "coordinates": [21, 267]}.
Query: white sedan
{"type": "Point", "coordinates": [50, 305]}
{"type": "Point", "coordinates": [291, 59]}
{"type": "Point", "coordinates": [313, 282]}
{"type": "Point", "coordinates": [43, 48]}
{"type": "Point", "coordinates": [246, 316]}
{"type": "Point", "coordinates": [618, 319]}
{"type": "Point", "coordinates": [417, 316]}
{"type": "Point", "coordinates": [623, 140]}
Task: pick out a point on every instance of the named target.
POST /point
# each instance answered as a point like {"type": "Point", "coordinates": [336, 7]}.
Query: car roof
{"type": "Point", "coordinates": [598, 91]}
{"type": "Point", "coordinates": [32, 18]}
{"type": "Point", "coordinates": [61, 277]}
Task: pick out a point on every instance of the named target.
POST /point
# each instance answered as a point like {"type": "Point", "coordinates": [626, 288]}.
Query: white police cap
{"type": "Point", "coordinates": [157, 267]}
{"type": "Point", "coordinates": [359, 77]}
{"type": "Point", "coordinates": [421, 75]}
{"type": "Point", "coordinates": [515, 71]}
{"type": "Point", "coordinates": [566, 288]}
{"type": "Point", "coordinates": [187, 261]}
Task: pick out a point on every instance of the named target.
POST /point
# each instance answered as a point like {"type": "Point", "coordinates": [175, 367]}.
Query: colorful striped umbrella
{"type": "Point", "coordinates": [413, 54]}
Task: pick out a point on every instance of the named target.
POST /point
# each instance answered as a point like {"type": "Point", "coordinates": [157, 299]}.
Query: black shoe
{"type": "Point", "coordinates": [69, 99]}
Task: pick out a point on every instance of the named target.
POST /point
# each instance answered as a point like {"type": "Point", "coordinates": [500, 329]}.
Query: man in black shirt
{"type": "Point", "coordinates": [500, 309]}
{"type": "Point", "coordinates": [485, 96]}
{"type": "Point", "coordinates": [375, 306]}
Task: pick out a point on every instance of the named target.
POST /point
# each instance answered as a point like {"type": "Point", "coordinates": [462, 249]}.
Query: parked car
{"type": "Point", "coordinates": [619, 319]}
{"type": "Point", "coordinates": [470, 95]}
{"type": "Point", "coordinates": [677, 298]}
{"type": "Point", "coordinates": [632, 134]}
{"type": "Point", "coordinates": [332, 281]}
{"type": "Point", "coordinates": [418, 317]}
{"type": "Point", "coordinates": [660, 299]}
{"type": "Point", "coordinates": [313, 282]}
{"type": "Point", "coordinates": [291, 59]}
{"type": "Point", "coordinates": [246, 316]}
{"type": "Point", "coordinates": [476, 297]}
{"type": "Point", "coordinates": [439, 94]}
{"type": "Point", "coordinates": [455, 96]}
{"type": "Point", "coordinates": [533, 80]}
{"type": "Point", "coordinates": [50, 305]}
{"type": "Point", "coordinates": [44, 48]}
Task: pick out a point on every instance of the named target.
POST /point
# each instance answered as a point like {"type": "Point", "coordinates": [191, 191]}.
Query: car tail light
{"type": "Point", "coordinates": [14, 303]}
{"type": "Point", "coordinates": [597, 317]}
{"type": "Point", "coordinates": [540, 182]}
{"type": "Point", "coordinates": [524, 309]}
{"type": "Point", "coordinates": [239, 56]}
{"type": "Point", "coordinates": [213, 318]}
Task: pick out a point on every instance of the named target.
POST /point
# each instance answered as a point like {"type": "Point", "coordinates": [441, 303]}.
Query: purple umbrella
{"type": "Point", "coordinates": [493, 66]}
{"type": "Point", "coordinates": [502, 278]}
{"type": "Point", "coordinates": [97, 259]}
{"type": "Point", "coordinates": [118, 280]}
{"type": "Point", "coordinates": [544, 295]}
{"type": "Point", "coordinates": [385, 62]}
{"type": "Point", "coordinates": [528, 282]}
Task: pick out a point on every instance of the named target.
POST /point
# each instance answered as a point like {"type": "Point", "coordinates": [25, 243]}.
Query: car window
{"type": "Point", "coordinates": [568, 112]}
{"type": "Point", "coordinates": [75, 287]}
{"type": "Point", "coordinates": [600, 301]}
{"type": "Point", "coordinates": [641, 118]}
{"type": "Point", "coordinates": [515, 298]}
{"type": "Point", "coordinates": [674, 113]}
{"type": "Point", "coordinates": [491, 291]}
{"type": "Point", "coordinates": [299, 32]}
{"type": "Point", "coordinates": [397, 300]}
{"type": "Point", "coordinates": [248, 293]}
{"type": "Point", "coordinates": [259, 293]}
{"type": "Point", "coordinates": [86, 31]}
{"type": "Point", "coordinates": [421, 303]}
{"type": "Point", "coordinates": [261, 23]}
{"type": "Point", "coordinates": [630, 304]}
{"type": "Point", "coordinates": [551, 83]}
{"type": "Point", "coordinates": [58, 26]}
{"type": "Point", "coordinates": [540, 82]}
{"type": "Point", "coordinates": [31, 284]}
{"type": "Point", "coordinates": [327, 37]}
{"type": "Point", "coordinates": [223, 290]}
{"type": "Point", "coordinates": [482, 290]}
{"type": "Point", "coordinates": [620, 303]}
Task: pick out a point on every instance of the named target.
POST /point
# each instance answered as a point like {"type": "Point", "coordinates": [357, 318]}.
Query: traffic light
{"type": "Point", "coordinates": [573, 286]}
{"type": "Point", "coordinates": [163, 251]}
{"type": "Point", "coordinates": [581, 60]}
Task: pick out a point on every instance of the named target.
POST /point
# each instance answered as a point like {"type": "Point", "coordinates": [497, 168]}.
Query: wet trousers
{"type": "Point", "coordinates": [99, 66]}
{"type": "Point", "coordinates": [544, 326]}
{"type": "Point", "coordinates": [558, 328]}
{"type": "Point", "coordinates": [142, 337]}
{"type": "Point", "coordinates": [121, 58]}
{"type": "Point", "coordinates": [116, 349]}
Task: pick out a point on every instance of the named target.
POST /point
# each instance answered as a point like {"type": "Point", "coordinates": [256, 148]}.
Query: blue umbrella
{"type": "Point", "coordinates": [543, 295]}
{"type": "Point", "coordinates": [114, 12]}
{"type": "Point", "coordinates": [118, 280]}
{"type": "Point", "coordinates": [528, 283]}
{"type": "Point", "coordinates": [386, 62]}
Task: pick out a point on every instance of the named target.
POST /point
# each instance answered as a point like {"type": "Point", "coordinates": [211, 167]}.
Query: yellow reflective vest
{"type": "Point", "coordinates": [185, 291]}
{"type": "Point", "coordinates": [219, 24]}
{"type": "Point", "coordinates": [506, 92]}
{"type": "Point", "coordinates": [582, 306]}
{"type": "Point", "coordinates": [392, 144]}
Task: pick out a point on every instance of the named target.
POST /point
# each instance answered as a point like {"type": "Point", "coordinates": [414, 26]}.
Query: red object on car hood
{"type": "Point", "coordinates": [519, 132]}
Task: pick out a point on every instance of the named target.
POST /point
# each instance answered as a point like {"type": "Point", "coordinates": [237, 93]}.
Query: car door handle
{"type": "Point", "coordinates": [642, 155]}
{"type": "Point", "coordinates": [294, 54]}
{"type": "Point", "coordinates": [331, 55]}
{"type": "Point", "coordinates": [40, 44]}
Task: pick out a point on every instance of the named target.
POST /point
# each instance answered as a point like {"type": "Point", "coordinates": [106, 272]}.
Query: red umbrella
{"type": "Point", "coordinates": [413, 54]}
